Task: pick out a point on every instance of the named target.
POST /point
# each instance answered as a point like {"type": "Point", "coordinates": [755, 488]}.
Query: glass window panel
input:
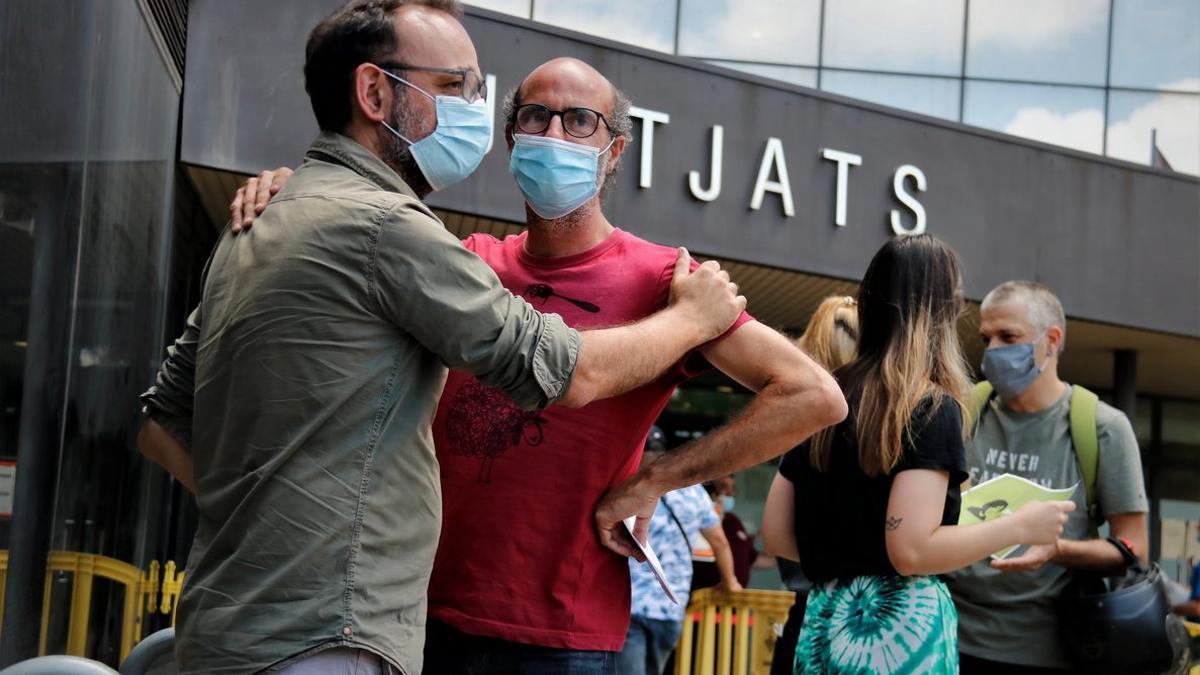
{"type": "Point", "coordinates": [1156, 44]}
{"type": "Point", "coordinates": [86, 232]}
{"type": "Point", "coordinates": [1142, 421]}
{"type": "Point", "coordinates": [1134, 116]}
{"type": "Point", "coordinates": [645, 23]}
{"type": "Point", "coordinates": [1040, 40]}
{"type": "Point", "coordinates": [515, 7]}
{"type": "Point", "coordinates": [907, 36]}
{"type": "Point", "coordinates": [751, 30]}
{"type": "Point", "coordinates": [805, 77]}
{"type": "Point", "coordinates": [1068, 116]}
{"type": "Point", "coordinates": [936, 96]}
{"type": "Point", "coordinates": [1181, 425]}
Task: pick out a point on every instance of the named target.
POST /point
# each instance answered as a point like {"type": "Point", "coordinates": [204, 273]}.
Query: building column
{"type": "Point", "coordinates": [42, 418]}
{"type": "Point", "coordinates": [1125, 381]}
{"type": "Point", "coordinates": [1153, 466]}
{"type": "Point", "coordinates": [1125, 398]}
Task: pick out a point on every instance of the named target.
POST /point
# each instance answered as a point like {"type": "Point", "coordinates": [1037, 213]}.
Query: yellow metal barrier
{"type": "Point", "coordinates": [731, 633]}
{"type": "Point", "coordinates": [1194, 632]}
{"type": "Point", "coordinates": [141, 595]}
{"type": "Point", "coordinates": [86, 567]}
{"type": "Point", "coordinates": [172, 584]}
{"type": "Point", "coordinates": [751, 622]}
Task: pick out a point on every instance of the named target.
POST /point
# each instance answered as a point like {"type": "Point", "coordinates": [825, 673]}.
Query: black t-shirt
{"type": "Point", "coordinates": [840, 512]}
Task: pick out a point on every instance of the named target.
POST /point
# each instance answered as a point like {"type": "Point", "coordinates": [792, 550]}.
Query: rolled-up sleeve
{"type": "Point", "coordinates": [170, 400]}
{"type": "Point", "coordinates": [427, 283]}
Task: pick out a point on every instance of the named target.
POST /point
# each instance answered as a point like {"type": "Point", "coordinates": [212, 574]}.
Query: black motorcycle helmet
{"type": "Point", "coordinates": [1125, 629]}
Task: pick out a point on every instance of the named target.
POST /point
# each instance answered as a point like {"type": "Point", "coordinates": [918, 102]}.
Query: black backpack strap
{"type": "Point", "coordinates": [686, 539]}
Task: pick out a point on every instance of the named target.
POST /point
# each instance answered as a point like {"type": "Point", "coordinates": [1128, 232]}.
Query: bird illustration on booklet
{"type": "Point", "coordinates": [1001, 496]}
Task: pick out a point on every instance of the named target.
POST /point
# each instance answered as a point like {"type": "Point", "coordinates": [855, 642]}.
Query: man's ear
{"type": "Point", "coordinates": [508, 136]}
{"type": "Point", "coordinates": [615, 154]}
{"type": "Point", "coordinates": [1054, 340]}
{"type": "Point", "coordinates": [372, 92]}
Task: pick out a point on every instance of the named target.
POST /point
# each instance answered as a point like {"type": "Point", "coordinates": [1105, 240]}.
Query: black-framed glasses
{"type": "Point", "coordinates": [471, 85]}
{"type": "Point", "coordinates": [534, 118]}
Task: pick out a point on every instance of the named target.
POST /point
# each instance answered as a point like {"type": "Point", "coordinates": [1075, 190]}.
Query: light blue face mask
{"type": "Point", "coordinates": [727, 503]}
{"type": "Point", "coordinates": [457, 145]}
{"type": "Point", "coordinates": [1011, 369]}
{"type": "Point", "coordinates": [556, 176]}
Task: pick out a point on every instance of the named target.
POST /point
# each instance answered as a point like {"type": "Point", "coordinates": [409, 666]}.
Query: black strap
{"type": "Point", "coordinates": [686, 539]}
{"type": "Point", "coordinates": [1131, 559]}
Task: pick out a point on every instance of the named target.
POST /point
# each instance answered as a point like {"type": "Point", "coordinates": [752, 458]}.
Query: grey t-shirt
{"type": "Point", "coordinates": [1009, 616]}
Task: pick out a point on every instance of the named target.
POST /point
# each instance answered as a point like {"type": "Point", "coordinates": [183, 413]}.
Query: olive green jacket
{"type": "Point", "coordinates": [307, 380]}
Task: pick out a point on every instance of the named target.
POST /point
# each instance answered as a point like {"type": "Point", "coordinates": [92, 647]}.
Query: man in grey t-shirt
{"type": "Point", "coordinates": [1007, 621]}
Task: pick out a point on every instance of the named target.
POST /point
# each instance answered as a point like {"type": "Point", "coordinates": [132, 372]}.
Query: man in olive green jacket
{"type": "Point", "coordinates": [297, 404]}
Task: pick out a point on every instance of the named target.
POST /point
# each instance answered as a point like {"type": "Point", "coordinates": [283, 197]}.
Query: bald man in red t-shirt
{"type": "Point", "coordinates": [531, 575]}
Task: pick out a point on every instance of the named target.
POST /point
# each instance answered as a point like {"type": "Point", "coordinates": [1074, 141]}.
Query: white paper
{"type": "Point", "coordinates": [1000, 496]}
{"type": "Point", "coordinates": [651, 560]}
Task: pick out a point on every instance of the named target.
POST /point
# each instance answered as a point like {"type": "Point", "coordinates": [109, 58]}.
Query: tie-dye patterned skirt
{"type": "Point", "coordinates": [874, 625]}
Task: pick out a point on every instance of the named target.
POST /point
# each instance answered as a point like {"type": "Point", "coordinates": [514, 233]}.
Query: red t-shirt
{"type": "Point", "coordinates": [519, 559]}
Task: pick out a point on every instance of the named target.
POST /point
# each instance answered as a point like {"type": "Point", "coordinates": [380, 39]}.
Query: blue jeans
{"type": "Point", "coordinates": [648, 645]}
{"type": "Point", "coordinates": [449, 651]}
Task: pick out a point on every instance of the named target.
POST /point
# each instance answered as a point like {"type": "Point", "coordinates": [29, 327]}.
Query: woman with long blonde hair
{"type": "Point", "coordinates": [870, 507]}
{"type": "Point", "coordinates": [831, 336]}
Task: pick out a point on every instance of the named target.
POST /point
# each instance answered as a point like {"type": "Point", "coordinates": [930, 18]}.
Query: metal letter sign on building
{"type": "Point", "coordinates": [758, 171]}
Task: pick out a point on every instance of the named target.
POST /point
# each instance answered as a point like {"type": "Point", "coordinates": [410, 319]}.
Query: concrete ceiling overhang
{"type": "Point", "coordinates": [1168, 365]}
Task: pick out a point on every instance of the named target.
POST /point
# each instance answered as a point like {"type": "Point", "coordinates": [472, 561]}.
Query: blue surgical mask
{"type": "Point", "coordinates": [456, 147]}
{"type": "Point", "coordinates": [727, 503]}
{"type": "Point", "coordinates": [1011, 369]}
{"type": "Point", "coordinates": [556, 176]}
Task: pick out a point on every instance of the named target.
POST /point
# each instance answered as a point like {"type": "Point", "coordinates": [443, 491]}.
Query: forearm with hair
{"type": "Point", "coordinates": [777, 419]}
{"type": "Point", "coordinates": [615, 360]}
{"type": "Point", "coordinates": [1099, 555]}
{"type": "Point", "coordinates": [1095, 555]}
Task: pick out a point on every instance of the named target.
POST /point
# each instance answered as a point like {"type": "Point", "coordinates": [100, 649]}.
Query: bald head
{"type": "Point", "coordinates": [564, 83]}
{"type": "Point", "coordinates": [568, 83]}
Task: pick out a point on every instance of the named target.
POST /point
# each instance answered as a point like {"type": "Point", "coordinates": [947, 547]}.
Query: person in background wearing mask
{"type": "Point", "coordinates": [297, 405]}
{"type": "Point", "coordinates": [1007, 620]}
{"type": "Point", "coordinates": [722, 492]}
{"type": "Point", "coordinates": [550, 595]}
{"type": "Point", "coordinates": [656, 622]}
{"type": "Point", "coordinates": [831, 339]}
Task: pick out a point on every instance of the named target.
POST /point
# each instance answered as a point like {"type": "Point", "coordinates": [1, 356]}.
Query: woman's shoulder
{"type": "Point", "coordinates": [939, 408]}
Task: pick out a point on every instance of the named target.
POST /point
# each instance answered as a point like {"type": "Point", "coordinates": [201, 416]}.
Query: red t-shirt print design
{"type": "Point", "coordinates": [538, 294]}
{"type": "Point", "coordinates": [484, 423]}
{"type": "Point", "coordinates": [519, 559]}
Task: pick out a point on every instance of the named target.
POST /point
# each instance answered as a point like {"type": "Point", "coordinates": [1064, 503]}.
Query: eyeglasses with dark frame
{"type": "Point", "coordinates": [534, 118]}
{"type": "Point", "coordinates": [471, 87]}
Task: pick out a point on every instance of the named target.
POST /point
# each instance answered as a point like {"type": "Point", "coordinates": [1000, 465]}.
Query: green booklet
{"type": "Point", "coordinates": [1001, 496]}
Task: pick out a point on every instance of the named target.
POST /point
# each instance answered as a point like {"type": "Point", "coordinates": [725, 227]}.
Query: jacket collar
{"type": "Point", "coordinates": [344, 150]}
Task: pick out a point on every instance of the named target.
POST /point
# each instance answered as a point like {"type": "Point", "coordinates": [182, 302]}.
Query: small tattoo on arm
{"type": "Point", "coordinates": [893, 523]}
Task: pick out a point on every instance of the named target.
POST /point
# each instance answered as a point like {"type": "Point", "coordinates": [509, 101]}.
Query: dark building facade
{"type": "Point", "coordinates": [119, 152]}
